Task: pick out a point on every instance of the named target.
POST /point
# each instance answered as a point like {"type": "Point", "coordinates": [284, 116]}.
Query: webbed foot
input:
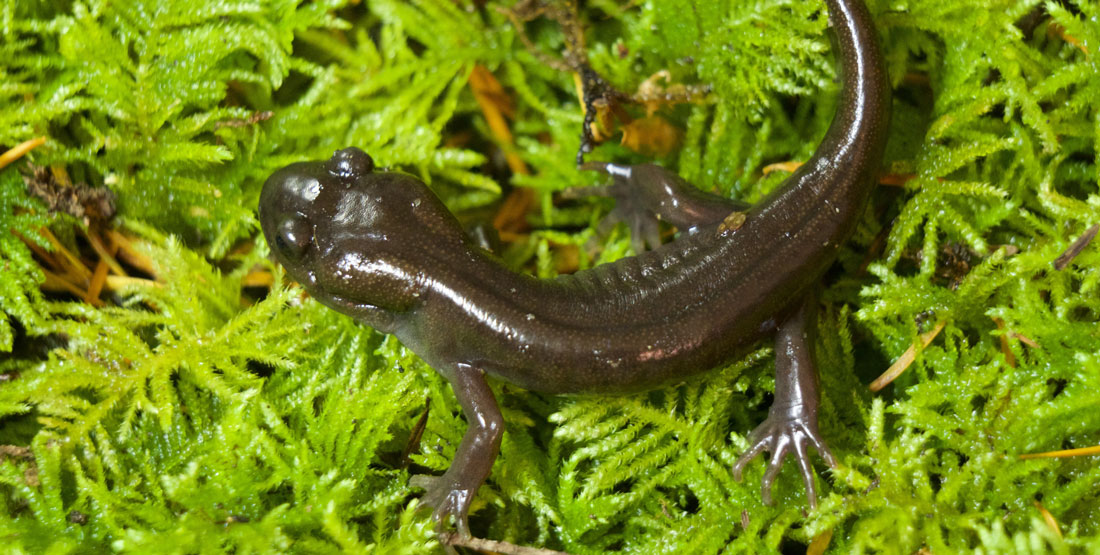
{"type": "Point", "coordinates": [783, 435]}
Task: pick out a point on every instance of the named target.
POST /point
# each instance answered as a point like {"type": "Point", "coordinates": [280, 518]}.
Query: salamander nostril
{"type": "Point", "coordinates": [350, 162]}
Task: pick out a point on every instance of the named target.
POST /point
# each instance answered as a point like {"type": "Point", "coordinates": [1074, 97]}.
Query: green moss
{"type": "Point", "coordinates": [183, 420]}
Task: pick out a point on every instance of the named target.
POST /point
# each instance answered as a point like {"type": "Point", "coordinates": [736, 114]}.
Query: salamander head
{"type": "Point", "coordinates": [357, 239]}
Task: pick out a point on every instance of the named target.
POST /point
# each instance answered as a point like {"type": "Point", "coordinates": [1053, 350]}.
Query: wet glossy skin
{"type": "Point", "coordinates": [382, 248]}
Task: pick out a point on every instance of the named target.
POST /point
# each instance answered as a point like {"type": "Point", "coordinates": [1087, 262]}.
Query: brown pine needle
{"type": "Point", "coordinates": [789, 166]}
{"type": "Point", "coordinates": [1059, 31]}
{"type": "Point", "coordinates": [20, 150]}
{"type": "Point", "coordinates": [578, 84]}
{"type": "Point", "coordinates": [95, 285]}
{"type": "Point", "coordinates": [43, 255]}
{"type": "Point", "coordinates": [73, 267]}
{"type": "Point", "coordinates": [118, 282]}
{"type": "Point", "coordinates": [106, 254]}
{"type": "Point", "coordinates": [1010, 357]}
{"type": "Point", "coordinates": [127, 252]}
{"type": "Point", "coordinates": [1025, 340]}
{"type": "Point", "coordinates": [906, 358]}
{"type": "Point", "coordinates": [1079, 452]}
{"type": "Point", "coordinates": [511, 219]}
{"type": "Point", "coordinates": [58, 283]}
{"type": "Point", "coordinates": [896, 179]}
{"type": "Point", "coordinates": [496, 106]}
{"type": "Point", "coordinates": [1049, 518]}
{"type": "Point", "coordinates": [820, 543]}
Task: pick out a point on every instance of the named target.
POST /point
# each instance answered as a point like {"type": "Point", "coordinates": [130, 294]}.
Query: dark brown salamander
{"type": "Point", "coordinates": [381, 247]}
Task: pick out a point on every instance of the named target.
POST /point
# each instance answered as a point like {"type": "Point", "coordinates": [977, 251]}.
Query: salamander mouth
{"type": "Point", "coordinates": [339, 303]}
{"type": "Point", "coordinates": [309, 281]}
{"type": "Point", "coordinates": [371, 315]}
{"type": "Point", "coordinates": [305, 278]}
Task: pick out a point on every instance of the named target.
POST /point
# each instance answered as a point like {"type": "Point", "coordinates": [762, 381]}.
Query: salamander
{"type": "Point", "coordinates": [380, 247]}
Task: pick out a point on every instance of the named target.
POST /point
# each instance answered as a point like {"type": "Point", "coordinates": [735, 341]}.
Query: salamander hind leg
{"type": "Point", "coordinates": [791, 425]}
{"type": "Point", "coordinates": [450, 495]}
{"type": "Point", "coordinates": [647, 194]}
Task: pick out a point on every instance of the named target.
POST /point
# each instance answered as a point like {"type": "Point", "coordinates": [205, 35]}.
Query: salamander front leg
{"type": "Point", "coordinates": [791, 425]}
{"type": "Point", "coordinates": [450, 494]}
{"type": "Point", "coordinates": [646, 194]}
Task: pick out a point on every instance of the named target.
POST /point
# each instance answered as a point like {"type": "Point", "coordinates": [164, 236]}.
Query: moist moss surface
{"type": "Point", "coordinates": [195, 408]}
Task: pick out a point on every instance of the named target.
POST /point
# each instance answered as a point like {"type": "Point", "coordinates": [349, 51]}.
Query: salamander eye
{"type": "Point", "coordinates": [350, 162]}
{"type": "Point", "coordinates": [294, 236]}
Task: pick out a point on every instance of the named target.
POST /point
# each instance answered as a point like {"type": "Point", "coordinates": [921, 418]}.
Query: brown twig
{"type": "Point", "coordinates": [525, 11]}
{"type": "Point", "coordinates": [1075, 249]}
{"type": "Point", "coordinates": [416, 434]}
{"type": "Point", "coordinates": [253, 119]}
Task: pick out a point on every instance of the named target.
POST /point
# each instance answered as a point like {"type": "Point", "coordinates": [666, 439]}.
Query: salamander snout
{"type": "Point", "coordinates": [286, 211]}
{"type": "Point", "coordinates": [294, 199]}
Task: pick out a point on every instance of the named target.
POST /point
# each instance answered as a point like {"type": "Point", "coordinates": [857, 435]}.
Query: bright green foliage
{"type": "Point", "coordinates": [19, 294]}
{"type": "Point", "coordinates": [159, 418]}
{"type": "Point", "coordinates": [190, 418]}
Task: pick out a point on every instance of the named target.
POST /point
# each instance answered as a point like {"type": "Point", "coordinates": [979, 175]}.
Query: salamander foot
{"type": "Point", "coordinates": [783, 435]}
{"type": "Point", "coordinates": [631, 205]}
{"type": "Point", "coordinates": [447, 498]}
{"type": "Point", "coordinates": [647, 194]}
